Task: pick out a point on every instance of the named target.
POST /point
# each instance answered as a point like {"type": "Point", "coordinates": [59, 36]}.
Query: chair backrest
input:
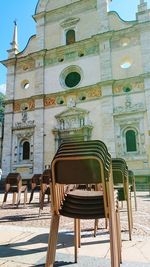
{"type": "Point", "coordinates": [36, 179]}
{"type": "Point", "coordinates": [120, 170]}
{"type": "Point", "coordinates": [46, 176]}
{"type": "Point", "coordinates": [75, 165]}
{"type": "Point", "coordinates": [131, 177]}
{"type": "Point", "coordinates": [13, 179]}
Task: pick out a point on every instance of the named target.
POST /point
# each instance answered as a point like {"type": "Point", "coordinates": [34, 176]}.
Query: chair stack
{"type": "Point", "coordinates": [35, 184]}
{"type": "Point", "coordinates": [121, 183]}
{"type": "Point", "coordinates": [13, 184]}
{"type": "Point", "coordinates": [132, 186]}
{"type": "Point", "coordinates": [83, 163]}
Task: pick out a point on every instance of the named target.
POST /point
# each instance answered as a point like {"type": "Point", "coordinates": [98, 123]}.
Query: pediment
{"type": "Point", "coordinates": [48, 5]}
{"type": "Point", "coordinates": [72, 111]}
{"type": "Point", "coordinates": [69, 22]}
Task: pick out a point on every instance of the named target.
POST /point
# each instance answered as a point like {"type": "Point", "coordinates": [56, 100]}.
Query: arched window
{"type": "Point", "coordinates": [26, 151]}
{"type": "Point", "coordinates": [131, 145]}
{"type": "Point", "coordinates": [70, 37]}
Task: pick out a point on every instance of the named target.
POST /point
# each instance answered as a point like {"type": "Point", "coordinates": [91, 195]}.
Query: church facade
{"type": "Point", "coordinates": [84, 75]}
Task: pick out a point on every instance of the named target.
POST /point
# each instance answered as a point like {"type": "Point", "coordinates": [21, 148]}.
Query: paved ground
{"type": "Point", "coordinates": [24, 235]}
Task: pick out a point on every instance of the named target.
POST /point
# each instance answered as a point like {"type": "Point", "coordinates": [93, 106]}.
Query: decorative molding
{"type": "Point", "coordinates": [19, 103]}
{"type": "Point", "coordinates": [129, 108]}
{"type": "Point", "coordinates": [86, 93]}
{"type": "Point", "coordinates": [134, 85]}
{"type": "Point", "coordinates": [73, 123]}
{"type": "Point", "coordinates": [24, 125]}
{"type": "Point", "coordinates": [69, 22]}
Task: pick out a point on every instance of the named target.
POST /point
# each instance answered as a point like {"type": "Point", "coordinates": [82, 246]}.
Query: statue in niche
{"type": "Point", "coordinates": [71, 102]}
{"type": "Point", "coordinates": [24, 116]}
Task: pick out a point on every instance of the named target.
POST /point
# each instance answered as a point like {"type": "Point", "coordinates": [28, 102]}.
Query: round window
{"type": "Point", "coordinates": [71, 76]}
{"type": "Point", "coordinates": [126, 89]}
{"type": "Point", "coordinates": [126, 62]}
{"type": "Point", "coordinates": [72, 79]}
{"type": "Point", "coordinates": [25, 84]}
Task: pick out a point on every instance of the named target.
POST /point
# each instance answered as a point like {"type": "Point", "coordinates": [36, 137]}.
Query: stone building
{"type": "Point", "coordinates": [84, 75]}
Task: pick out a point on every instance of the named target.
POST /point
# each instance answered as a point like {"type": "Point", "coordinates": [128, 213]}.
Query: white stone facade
{"type": "Point", "coordinates": [108, 99]}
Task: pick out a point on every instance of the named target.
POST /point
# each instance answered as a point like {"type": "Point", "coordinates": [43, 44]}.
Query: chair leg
{"type": "Point", "coordinates": [41, 202]}
{"type": "Point", "coordinates": [113, 242]}
{"type": "Point", "coordinates": [14, 198]}
{"type": "Point", "coordinates": [129, 211]}
{"type": "Point", "coordinates": [31, 196]}
{"type": "Point", "coordinates": [79, 234]}
{"type": "Point", "coordinates": [135, 201]}
{"type": "Point", "coordinates": [95, 227]}
{"type": "Point", "coordinates": [18, 198]}
{"type": "Point", "coordinates": [52, 242]}
{"type": "Point", "coordinates": [25, 196]}
{"type": "Point", "coordinates": [76, 238]}
{"type": "Point", "coordinates": [119, 236]}
{"type": "Point", "coordinates": [5, 198]}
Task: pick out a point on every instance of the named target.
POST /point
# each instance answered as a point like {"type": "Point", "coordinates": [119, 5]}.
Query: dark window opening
{"type": "Point", "coordinates": [131, 141]}
{"type": "Point", "coordinates": [26, 150]}
{"type": "Point", "coordinates": [72, 79]}
{"type": "Point", "coordinates": [126, 89]}
{"type": "Point", "coordinates": [70, 37]}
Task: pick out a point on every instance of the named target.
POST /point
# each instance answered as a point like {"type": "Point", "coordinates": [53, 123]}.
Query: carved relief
{"type": "Point", "coordinates": [31, 104]}
{"type": "Point", "coordinates": [72, 118]}
{"type": "Point", "coordinates": [129, 107]}
{"type": "Point", "coordinates": [50, 101]}
{"type": "Point", "coordinates": [24, 124]}
{"type": "Point", "coordinates": [19, 105]}
{"type": "Point", "coordinates": [94, 93]}
{"type": "Point", "coordinates": [134, 85]}
{"type": "Point", "coordinates": [68, 98]}
{"type": "Point", "coordinates": [25, 66]}
{"type": "Point", "coordinates": [16, 106]}
{"type": "Point", "coordinates": [73, 124]}
{"type": "Point", "coordinates": [117, 89]}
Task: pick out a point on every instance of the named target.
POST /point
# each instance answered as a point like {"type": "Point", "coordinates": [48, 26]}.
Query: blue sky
{"type": "Point", "coordinates": [22, 11]}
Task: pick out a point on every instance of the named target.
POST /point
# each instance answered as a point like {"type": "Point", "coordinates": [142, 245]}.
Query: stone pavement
{"type": "Point", "coordinates": [26, 245]}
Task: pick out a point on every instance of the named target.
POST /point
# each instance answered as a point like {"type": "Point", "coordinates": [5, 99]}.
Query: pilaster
{"type": "Point", "coordinates": [102, 10]}
{"type": "Point", "coordinates": [39, 137]}
{"type": "Point", "coordinates": [7, 140]}
{"type": "Point", "coordinates": [105, 60]}
{"type": "Point", "coordinates": [39, 75]}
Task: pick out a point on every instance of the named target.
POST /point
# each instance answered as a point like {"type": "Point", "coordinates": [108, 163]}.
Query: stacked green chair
{"type": "Point", "coordinates": [132, 186]}
{"type": "Point", "coordinates": [83, 163]}
{"type": "Point", "coordinates": [121, 183]}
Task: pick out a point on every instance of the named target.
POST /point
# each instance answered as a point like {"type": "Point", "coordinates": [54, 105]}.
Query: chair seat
{"type": "Point", "coordinates": [85, 194]}
{"type": "Point", "coordinates": [83, 205]}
